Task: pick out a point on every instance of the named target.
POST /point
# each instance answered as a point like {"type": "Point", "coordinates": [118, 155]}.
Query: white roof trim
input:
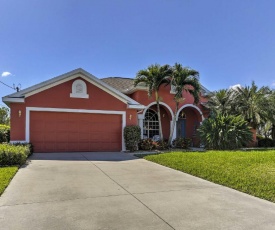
{"type": "Point", "coordinates": [136, 106]}
{"type": "Point", "coordinates": [66, 77]}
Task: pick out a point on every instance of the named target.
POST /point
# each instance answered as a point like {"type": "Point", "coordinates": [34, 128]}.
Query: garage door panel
{"type": "Point", "coordinates": [63, 132]}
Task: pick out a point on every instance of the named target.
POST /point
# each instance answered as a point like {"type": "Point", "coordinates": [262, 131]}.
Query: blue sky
{"type": "Point", "coordinates": [228, 42]}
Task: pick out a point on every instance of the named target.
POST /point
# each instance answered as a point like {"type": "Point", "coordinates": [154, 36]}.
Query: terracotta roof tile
{"type": "Point", "coordinates": [119, 83]}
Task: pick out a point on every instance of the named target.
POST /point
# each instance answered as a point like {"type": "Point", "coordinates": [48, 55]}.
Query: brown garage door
{"type": "Point", "coordinates": [73, 132]}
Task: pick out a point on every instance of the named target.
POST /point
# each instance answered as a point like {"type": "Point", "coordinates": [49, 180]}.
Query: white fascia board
{"type": "Point", "coordinates": [13, 99]}
{"type": "Point", "coordinates": [108, 90]}
{"type": "Point", "coordinates": [88, 77]}
{"type": "Point", "coordinates": [42, 84]}
{"type": "Point", "coordinates": [139, 106]}
{"type": "Point", "coordinates": [141, 88]}
{"type": "Point", "coordinates": [67, 77]}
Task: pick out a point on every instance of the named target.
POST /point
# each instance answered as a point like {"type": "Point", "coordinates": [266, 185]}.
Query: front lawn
{"type": "Point", "coordinates": [252, 172]}
{"type": "Point", "coordinates": [6, 174]}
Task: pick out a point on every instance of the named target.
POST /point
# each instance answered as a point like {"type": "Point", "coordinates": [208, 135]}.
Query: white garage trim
{"type": "Point", "coordinates": [29, 109]}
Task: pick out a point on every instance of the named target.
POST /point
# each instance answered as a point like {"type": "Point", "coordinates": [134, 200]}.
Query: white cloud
{"type": "Point", "coordinates": [235, 86]}
{"type": "Point", "coordinates": [6, 74]}
{"type": "Point", "coordinates": [273, 84]}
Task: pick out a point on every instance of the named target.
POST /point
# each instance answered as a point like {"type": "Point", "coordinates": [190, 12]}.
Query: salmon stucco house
{"type": "Point", "coordinates": [78, 112]}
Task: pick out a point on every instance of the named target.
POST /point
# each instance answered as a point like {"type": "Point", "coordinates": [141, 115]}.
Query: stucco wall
{"type": "Point", "coordinates": [59, 97]}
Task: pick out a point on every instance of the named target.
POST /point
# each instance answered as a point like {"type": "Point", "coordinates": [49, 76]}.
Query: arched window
{"type": "Point", "coordinates": [79, 89]}
{"type": "Point", "coordinates": [150, 124]}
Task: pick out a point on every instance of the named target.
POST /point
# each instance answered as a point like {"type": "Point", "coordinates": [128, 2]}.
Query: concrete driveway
{"type": "Point", "coordinates": [118, 191]}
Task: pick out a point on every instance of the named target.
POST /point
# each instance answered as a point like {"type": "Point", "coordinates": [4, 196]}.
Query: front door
{"type": "Point", "coordinates": [181, 128]}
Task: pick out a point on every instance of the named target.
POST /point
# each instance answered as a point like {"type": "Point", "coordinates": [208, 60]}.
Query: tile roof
{"type": "Point", "coordinates": [119, 83]}
{"type": "Point", "coordinates": [127, 84]}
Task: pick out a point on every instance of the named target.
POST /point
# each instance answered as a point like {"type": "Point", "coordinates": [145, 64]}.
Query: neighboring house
{"type": "Point", "coordinates": [78, 112]}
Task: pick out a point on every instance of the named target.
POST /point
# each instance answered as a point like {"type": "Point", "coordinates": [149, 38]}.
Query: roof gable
{"type": "Point", "coordinates": [21, 95]}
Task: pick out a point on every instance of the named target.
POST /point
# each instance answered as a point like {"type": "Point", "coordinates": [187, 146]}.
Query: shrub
{"type": "Point", "coordinates": [162, 145]}
{"type": "Point", "coordinates": [28, 145]}
{"type": "Point", "coordinates": [147, 144]}
{"type": "Point", "coordinates": [4, 133]}
{"type": "Point", "coordinates": [132, 137]}
{"type": "Point", "coordinates": [225, 132]}
{"type": "Point", "coordinates": [182, 142]}
{"type": "Point", "coordinates": [13, 154]}
{"type": "Point", "coordinates": [259, 137]}
{"type": "Point", "coordinates": [266, 142]}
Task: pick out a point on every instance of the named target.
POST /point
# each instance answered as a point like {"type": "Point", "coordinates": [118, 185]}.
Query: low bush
{"type": "Point", "coordinates": [28, 145]}
{"type": "Point", "coordinates": [266, 142]}
{"type": "Point", "coordinates": [182, 143]}
{"type": "Point", "coordinates": [132, 137]}
{"type": "Point", "coordinates": [162, 145]}
{"type": "Point", "coordinates": [4, 133]}
{"type": "Point", "coordinates": [147, 144]}
{"type": "Point", "coordinates": [14, 154]}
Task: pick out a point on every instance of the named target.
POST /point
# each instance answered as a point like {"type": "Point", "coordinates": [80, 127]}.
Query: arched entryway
{"type": "Point", "coordinates": [189, 118]}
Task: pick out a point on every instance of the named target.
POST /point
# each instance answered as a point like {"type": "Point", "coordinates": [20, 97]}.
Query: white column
{"type": "Point", "coordinates": [140, 123]}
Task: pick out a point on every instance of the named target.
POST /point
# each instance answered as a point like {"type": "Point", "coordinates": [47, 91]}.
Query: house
{"type": "Point", "coordinates": [78, 112]}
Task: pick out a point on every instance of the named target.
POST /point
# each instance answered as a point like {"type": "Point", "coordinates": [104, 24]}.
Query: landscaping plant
{"type": "Point", "coordinates": [132, 137]}
{"type": "Point", "coordinates": [14, 154]}
{"type": "Point", "coordinates": [4, 133]}
{"type": "Point", "coordinates": [147, 144]}
{"type": "Point", "coordinates": [182, 143]}
{"type": "Point", "coordinates": [225, 132]}
{"type": "Point", "coordinates": [153, 77]}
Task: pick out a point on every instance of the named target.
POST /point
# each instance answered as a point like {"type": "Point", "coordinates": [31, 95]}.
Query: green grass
{"type": "Point", "coordinates": [6, 174]}
{"type": "Point", "coordinates": [252, 172]}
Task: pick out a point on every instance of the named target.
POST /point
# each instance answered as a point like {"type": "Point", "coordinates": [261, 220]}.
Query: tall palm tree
{"type": "Point", "coordinates": [183, 79]}
{"type": "Point", "coordinates": [221, 101]}
{"type": "Point", "coordinates": [267, 105]}
{"type": "Point", "coordinates": [153, 77]}
{"type": "Point", "coordinates": [248, 102]}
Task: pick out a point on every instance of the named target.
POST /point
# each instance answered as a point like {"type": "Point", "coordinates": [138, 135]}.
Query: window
{"type": "Point", "coordinates": [79, 89]}
{"type": "Point", "coordinates": [150, 124]}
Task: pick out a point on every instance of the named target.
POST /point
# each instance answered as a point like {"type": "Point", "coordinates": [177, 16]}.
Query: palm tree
{"type": "Point", "coordinates": [183, 79]}
{"type": "Point", "coordinates": [267, 105]}
{"type": "Point", "coordinates": [221, 101]}
{"type": "Point", "coordinates": [153, 77]}
{"type": "Point", "coordinates": [248, 101]}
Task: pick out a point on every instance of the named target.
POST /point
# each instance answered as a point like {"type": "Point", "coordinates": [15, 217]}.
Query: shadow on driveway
{"type": "Point", "coordinates": [84, 156]}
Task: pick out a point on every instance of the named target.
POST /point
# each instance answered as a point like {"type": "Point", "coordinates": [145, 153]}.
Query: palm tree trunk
{"type": "Point", "coordinates": [159, 117]}
{"type": "Point", "coordinates": [173, 124]}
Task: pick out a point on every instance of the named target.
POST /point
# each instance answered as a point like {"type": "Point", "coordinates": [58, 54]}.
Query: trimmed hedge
{"type": "Point", "coordinates": [4, 133]}
{"type": "Point", "coordinates": [14, 154]}
{"type": "Point", "coordinates": [132, 137]}
{"type": "Point", "coordinates": [266, 142]}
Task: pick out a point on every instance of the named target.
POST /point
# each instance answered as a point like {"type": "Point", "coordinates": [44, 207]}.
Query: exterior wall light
{"type": "Point", "coordinates": [130, 116]}
{"type": "Point", "coordinates": [19, 113]}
